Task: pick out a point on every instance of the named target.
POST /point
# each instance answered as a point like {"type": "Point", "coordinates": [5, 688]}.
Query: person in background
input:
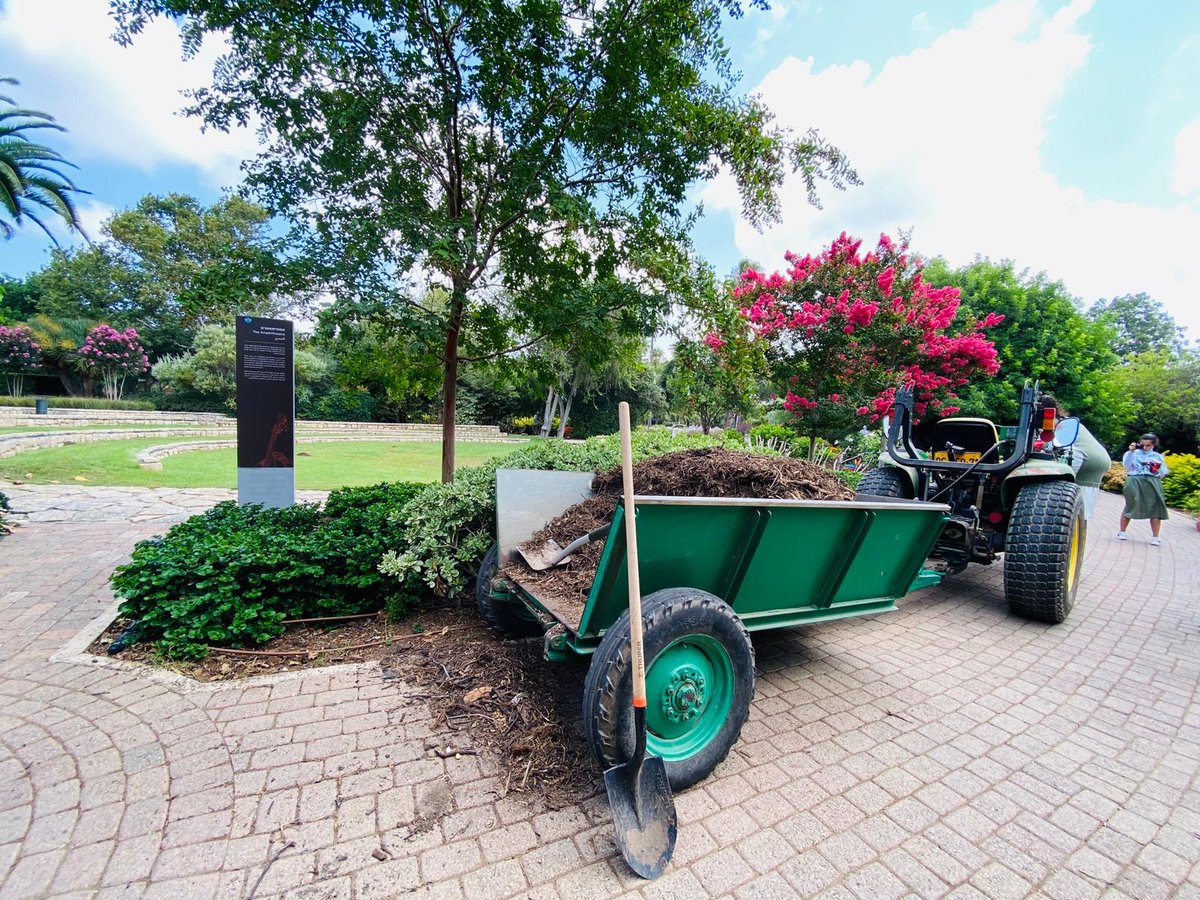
{"type": "Point", "coordinates": [1145, 469]}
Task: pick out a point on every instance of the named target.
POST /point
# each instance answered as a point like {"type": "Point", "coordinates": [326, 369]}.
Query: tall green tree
{"type": "Point", "coordinates": [702, 385]}
{"type": "Point", "coordinates": [527, 144]}
{"type": "Point", "coordinates": [1044, 336]}
{"type": "Point", "coordinates": [170, 266]}
{"type": "Point", "coordinates": [1140, 323]}
{"type": "Point", "coordinates": [1164, 390]}
{"type": "Point", "coordinates": [32, 183]}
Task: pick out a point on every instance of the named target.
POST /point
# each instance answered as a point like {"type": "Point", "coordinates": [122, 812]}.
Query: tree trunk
{"type": "Point", "coordinates": [548, 413]}
{"type": "Point", "coordinates": [812, 448]}
{"type": "Point", "coordinates": [566, 411]}
{"type": "Point", "coordinates": [450, 381]}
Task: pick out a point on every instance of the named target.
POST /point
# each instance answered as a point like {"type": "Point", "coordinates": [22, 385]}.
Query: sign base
{"type": "Point", "coordinates": [274, 488]}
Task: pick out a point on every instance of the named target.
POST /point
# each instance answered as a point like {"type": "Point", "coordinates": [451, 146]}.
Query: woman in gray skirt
{"type": "Point", "coordinates": [1145, 469]}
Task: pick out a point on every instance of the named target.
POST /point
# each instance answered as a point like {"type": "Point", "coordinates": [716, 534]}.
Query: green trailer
{"type": "Point", "coordinates": [712, 571]}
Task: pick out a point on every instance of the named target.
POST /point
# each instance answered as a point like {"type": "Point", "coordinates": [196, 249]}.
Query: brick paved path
{"type": "Point", "coordinates": [947, 749]}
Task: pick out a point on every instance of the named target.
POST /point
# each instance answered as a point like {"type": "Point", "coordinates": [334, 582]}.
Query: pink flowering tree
{"type": "Point", "coordinates": [841, 330]}
{"type": "Point", "coordinates": [114, 356]}
{"type": "Point", "coordinates": [20, 355]}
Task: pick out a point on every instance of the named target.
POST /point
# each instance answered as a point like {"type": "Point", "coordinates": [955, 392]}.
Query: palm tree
{"type": "Point", "coordinates": [30, 176]}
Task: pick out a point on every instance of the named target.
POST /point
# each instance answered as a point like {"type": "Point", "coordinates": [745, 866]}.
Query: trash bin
{"type": "Point", "coordinates": [41, 406]}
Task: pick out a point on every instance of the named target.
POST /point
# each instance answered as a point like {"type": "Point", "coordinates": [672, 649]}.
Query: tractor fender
{"type": "Point", "coordinates": [1029, 472]}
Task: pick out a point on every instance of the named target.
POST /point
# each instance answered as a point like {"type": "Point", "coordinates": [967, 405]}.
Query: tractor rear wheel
{"type": "Point", "coordinates": [1044, 551]}
{"type": "Point", "coordinates": [699, 684]}
{"type": "Point", "coordinates": [508, 617]}
{"type": "Point", "coordinates": [885, 481]}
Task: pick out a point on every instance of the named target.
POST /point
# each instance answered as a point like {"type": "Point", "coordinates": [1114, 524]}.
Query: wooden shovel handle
{"type": "Point", "coordinates": [631, 562]}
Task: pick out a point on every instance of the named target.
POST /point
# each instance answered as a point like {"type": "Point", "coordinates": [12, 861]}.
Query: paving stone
{"type": "Point", "coordinates": [948, 750]}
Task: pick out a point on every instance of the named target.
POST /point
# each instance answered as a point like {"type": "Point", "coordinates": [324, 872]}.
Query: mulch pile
{"type": "Point", "coordinates": [710, 472]}
{"type": "Point", "coordinates": [503, 697]}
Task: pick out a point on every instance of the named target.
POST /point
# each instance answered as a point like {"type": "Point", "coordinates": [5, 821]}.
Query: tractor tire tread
{"type": "Point", "coordinates": [884, 481]}
{"type": "Point", "coordinates": [1037, 551]}
{"type": "Point", "coordinates": [508, 619]}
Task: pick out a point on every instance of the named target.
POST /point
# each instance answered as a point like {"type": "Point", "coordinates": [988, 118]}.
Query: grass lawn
{"type": "Point", "coordinates": [319, 466]}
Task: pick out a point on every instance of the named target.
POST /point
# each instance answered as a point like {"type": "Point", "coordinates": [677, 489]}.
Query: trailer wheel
{"type": "Point", "coordinates": [699, 684]}
{"type": "Point", "coordinates": [1044, 551]}
{"type": "Point", "coordinates": [884, 481]}
{"type": "Point", "coordinates": [509, 618]}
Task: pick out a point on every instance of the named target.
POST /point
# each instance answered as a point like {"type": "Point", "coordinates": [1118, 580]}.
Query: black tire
{"type": "Point", "coordinates": [1044, 551]}
{"type": "Point", "coordinates": [507, 617]}
{"type": "Point", "coordinates": [885, 481]}
{"type": "Point", "coordinates": [690, 625]}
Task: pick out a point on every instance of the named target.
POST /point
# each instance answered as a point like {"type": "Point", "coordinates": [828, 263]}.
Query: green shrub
{"type": "Point", "coordinates": [3, 508]}
{"type": "Point", "coordinates": [449, 527]}
{"type": "Point", "coordinates": [232, 575]}
{"type": "Point", "coordinates": [1184, 479]}
{"type": "Point", "coordinates": [1114, 479]}
{"type": "Point", "coordinates": [81, 403]}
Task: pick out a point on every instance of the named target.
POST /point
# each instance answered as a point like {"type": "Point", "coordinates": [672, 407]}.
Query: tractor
{"type": "Point", "coordinates": [1025, 492]}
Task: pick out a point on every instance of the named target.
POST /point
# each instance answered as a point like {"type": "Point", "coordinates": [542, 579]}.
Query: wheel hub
{"type": "Point", "coordinates": [684, 695]}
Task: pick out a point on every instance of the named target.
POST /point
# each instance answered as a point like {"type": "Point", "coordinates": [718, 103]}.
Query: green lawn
{"type": "Point", "coordinates": [319, 466]}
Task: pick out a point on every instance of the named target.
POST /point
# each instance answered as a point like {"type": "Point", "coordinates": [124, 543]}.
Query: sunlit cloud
{"type": "Point", "coordinates": [948, 140]}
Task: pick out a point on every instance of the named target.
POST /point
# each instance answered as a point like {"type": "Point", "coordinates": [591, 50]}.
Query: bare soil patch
{"type": "Point", "coordinates": [709, 472]}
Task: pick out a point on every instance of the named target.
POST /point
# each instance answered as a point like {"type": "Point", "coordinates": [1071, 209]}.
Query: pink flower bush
{"type": "Point", "coordinates": [843, 329]}
{"type": "Point", "coordinates": [114, 355]}
{"type": "Point", "coordinates": [20, 355]}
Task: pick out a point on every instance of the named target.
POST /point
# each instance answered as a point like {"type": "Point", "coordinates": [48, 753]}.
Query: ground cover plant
{"type": "Point", "coordinates": [234, 574]}
{"type": "Point", "coordinates": [319, 466]}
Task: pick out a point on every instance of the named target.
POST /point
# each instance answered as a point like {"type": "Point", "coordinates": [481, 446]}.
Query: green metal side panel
{"type": "Point", "coordinates": [778, 563]}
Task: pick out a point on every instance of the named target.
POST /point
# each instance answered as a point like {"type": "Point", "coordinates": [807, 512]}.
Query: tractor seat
{"type": "Point", "coordinates": [964, 440]}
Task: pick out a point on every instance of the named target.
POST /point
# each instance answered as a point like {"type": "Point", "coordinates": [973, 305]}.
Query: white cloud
{"type": "Point", "coordinates": [1186, 178]}
{"type": "Point", "coordinates": [120, 103]}
{"type": "Point", "coordinates": [948, 142]}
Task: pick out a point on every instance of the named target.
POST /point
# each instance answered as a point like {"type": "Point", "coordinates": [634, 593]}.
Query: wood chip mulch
{"type": "Point", "coordinates": [710, 472]}
{"type": "Point", "coordinates": [485, 694]}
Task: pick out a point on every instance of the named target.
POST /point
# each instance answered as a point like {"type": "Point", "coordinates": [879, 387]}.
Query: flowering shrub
{"type": "Point", "coordinates": [114, 355]}
{"type": "Point", "coordinates": [19, 355]}
{"type": "Point", "coordinates": [842, 330]}
{"type": "Point", "coordinates": [1184, 480]}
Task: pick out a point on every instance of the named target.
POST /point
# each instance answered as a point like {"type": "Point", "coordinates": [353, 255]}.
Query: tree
{"type": "Point", "coordinates": [170, 266]}
{"type": "Point", "coordinates": [1164, 391]}
{"type": "Point", "coordinates": [20, 355]}
{"type": "Point", "coordinates": [1140, 322]}
{"type": "Point", "coordinates": [841, 331]}
{"type": "Point", "coordinates": [31, 179]}
{"type": "Point", "coordinates": [60, 340]}
{"type": "Point", "coordinates": [18, 300]}
{"type": "Point", "coordinates": [526, 145]}
{"type": "Point", "coordinates": [209, 371]}
{"type": "Point", "coordinates": [1044, 336]}
{"type": "Point", "coordinates": [704, 386]}
{"type": "Point", "coordinates": [113, 356]}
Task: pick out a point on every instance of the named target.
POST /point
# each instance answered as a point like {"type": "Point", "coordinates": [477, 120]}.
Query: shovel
{"type": "Point", "coordinates": [550, 554]}
{"type": "Point", "coordinates": [638, 790]}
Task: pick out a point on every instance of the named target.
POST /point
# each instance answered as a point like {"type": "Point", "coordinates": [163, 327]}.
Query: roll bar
{"type": "Point", "coordinates": [901, 431]}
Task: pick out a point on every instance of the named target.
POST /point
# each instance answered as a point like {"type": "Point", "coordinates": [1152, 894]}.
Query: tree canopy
{"type": "Point", "coordinates": [1044, 336]}
{"type": "Point", "coordinates": [1140, 323]}
{"type": "Point", "coordinates": [32, 183]}
{"type": "Point", "coordinates": [170, 266]}
{"type": "Point", "coordinates": [511, 152]}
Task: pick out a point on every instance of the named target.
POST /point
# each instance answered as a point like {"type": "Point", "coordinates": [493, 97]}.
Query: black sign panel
{"type": "Point", "coordinates": [266, 394]}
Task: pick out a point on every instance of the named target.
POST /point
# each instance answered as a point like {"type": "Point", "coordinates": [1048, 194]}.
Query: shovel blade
{"type": "Point", "coordinates": [541, 558]}
{"type": "Point", "coordinates": [643, 814]}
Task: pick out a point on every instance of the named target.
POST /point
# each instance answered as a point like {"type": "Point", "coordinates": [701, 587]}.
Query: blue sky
{"type": "Point", "coordinates": [1062, 134]}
